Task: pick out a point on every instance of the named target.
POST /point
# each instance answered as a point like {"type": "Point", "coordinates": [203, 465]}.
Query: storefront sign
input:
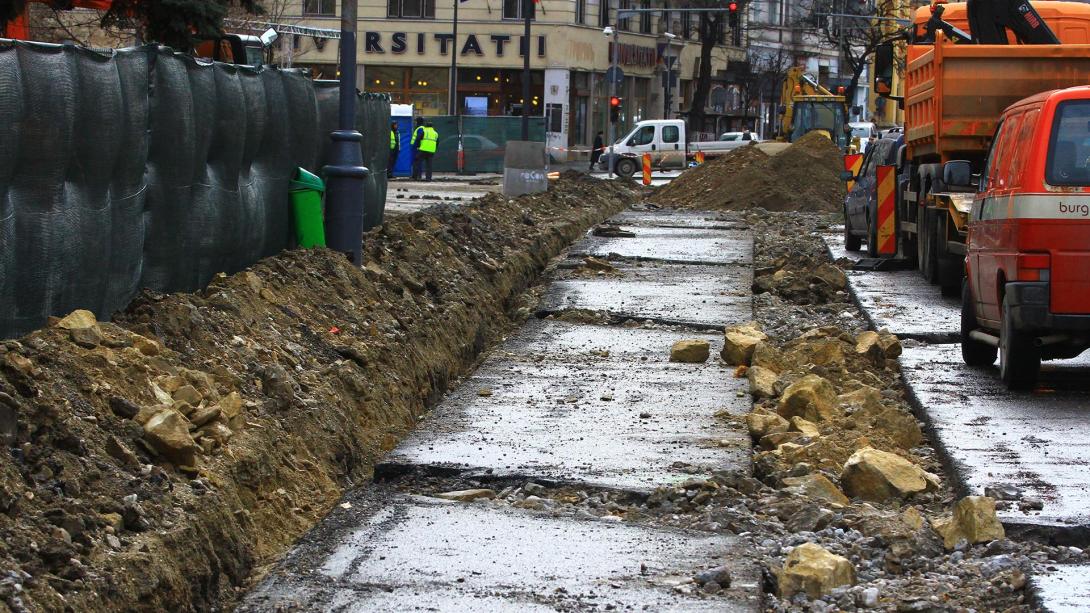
{"type": "Point", "coordinates": [635, 55]}
{"type": "Point", "coordinates": [495, 44]}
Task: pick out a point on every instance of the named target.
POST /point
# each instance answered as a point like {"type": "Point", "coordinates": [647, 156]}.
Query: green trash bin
{"type": "Point", "coordinates": [306, 202]}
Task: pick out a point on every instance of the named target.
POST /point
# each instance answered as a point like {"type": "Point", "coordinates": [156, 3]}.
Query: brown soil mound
{"type": "Point", "coordinates": [154, 462]}
{"type": "Point", "coordinates": [805, 176]}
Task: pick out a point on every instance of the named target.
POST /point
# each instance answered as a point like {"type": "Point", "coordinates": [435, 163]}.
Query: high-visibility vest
{"type": "Point", "coordinates": [416, 135]}
{"type": "Point", "coordinates": [393, 140]}
{"type": "Point", "coordinates": [430, 140]}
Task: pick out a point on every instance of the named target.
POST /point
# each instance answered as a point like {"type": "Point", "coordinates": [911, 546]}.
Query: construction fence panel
{"type": "Point", "coordinates": [484, 141]}
{"type": "Point", "coordinates": [145, 168]}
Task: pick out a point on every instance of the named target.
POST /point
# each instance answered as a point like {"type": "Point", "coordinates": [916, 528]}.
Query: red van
{"type": "Point", "coordinates": [1026, 294]}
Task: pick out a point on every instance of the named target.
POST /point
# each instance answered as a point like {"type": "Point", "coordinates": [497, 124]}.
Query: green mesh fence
{"type": "Point", "coordinates": [484, 140]}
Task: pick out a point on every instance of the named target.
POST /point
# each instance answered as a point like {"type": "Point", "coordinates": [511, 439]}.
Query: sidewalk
{"type": "Point", "coordinates": [573, 401]}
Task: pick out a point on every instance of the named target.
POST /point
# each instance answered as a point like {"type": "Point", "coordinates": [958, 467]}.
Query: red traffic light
{"type": "Point", "coordinates": [615, 102]}
{"type": "Point", "coordinates": [733, 7]}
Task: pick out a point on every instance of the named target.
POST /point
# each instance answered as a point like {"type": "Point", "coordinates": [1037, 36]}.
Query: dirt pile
{"type": "Point", "coordinates": [804, 176]}
{"type": "Point", "coordinates": [152, 463]}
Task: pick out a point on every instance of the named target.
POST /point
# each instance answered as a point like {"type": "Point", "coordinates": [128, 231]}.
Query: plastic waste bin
{"type": "Point", "coordinates": [306, 202]}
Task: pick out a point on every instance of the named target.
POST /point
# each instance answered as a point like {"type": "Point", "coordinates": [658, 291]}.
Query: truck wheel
{"type": "Point", "coordinates": [851, 241]}
{"type": "Point", "coordinates": [930, 267]}
{"type": "Point", "coordinates": [872, 235]}
{"type": "Point", "coordinates": [949, 267]}
{"type": "Point", "coordinates": [626, 167]}
{"type": "Point", "coordinates": [1019, 360]}
{"type": "Point", "coordinates": [973, 352]}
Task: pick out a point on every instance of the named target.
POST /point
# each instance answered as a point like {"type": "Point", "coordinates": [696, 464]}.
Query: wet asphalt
{"type": "Point", "coordinates": [1034, 445]}
{"type": "Point", "coordinates": [597, 405]}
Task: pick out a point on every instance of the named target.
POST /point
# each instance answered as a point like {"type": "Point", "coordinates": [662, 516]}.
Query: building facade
{"type": "Point", "coordinates": [406, 49]}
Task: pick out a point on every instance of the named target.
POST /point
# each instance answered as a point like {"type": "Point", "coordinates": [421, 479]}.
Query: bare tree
{"type": "Point", "coordinates": [710, 28]}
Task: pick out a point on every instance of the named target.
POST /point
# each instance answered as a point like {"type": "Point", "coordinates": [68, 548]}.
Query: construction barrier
{"type": "Point", "coordinates": [886, 223]}
{"type": "Point", "coordinates": [647, 169]}
{"type": "Point", "coordinates": [145, 168]}
{"type": "Point", "coordinates": [699, 157]}
{"type": "Point", "coordinates": [854, 163]}
{"type": "Point", "coordinates": [484, 141]}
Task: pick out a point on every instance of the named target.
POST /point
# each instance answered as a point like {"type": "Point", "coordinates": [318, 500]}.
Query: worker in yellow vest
{"type": "Point", "coordinates": [414, 142]}
{"type": "Point", "coordinates": [395, 150]}
{"type": "Point", "coordinates": [429, 142]}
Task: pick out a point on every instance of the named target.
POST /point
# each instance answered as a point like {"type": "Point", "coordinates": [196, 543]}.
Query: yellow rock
{"type": "Point", "coordinates": [774, 440]}
{"type": "Point", "coordinates": [807, 428]}
{"type": "Point", "coordinates": [913, 518]}
{"type": "Point", "coordinates": [812, 569]}
{"type": "Point", "coordinates": [761, 424]}
{"type": "Point", "coordinates": [740, 341]}
{"type": "Point", "coordinates": [865, 398]}
{"type": "Point", "coordinates": [768, 356]}
{"type": "Point", "coordinates": [973, 519]}
{"type": "Point", "coordinates": [690, 351]}
{"type": "Point", "coordinates": [78, 320]}
{"type": "Point", "coordinates": [168, 433]}
{"type": "Point", "coordinates": [145, 345]}
{"type": "Point", "coordinates": [816, 485]}
{"type": "Point", "coordinates": [878, 476]}
{"type": "Point", "coordinates": [865, 341]}
{"type": "Point", "coordinates": [812, 398]}
{"type": "Point", "coordinates": [762, 382]}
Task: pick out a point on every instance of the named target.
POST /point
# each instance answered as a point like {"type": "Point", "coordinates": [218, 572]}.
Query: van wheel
{"type": "Point", "coordinates": [1019, 360]}
{"type": "Point", "coordinates": [626, 167]}
{"type": "Point", "coordinates": [973, 352]}
{"type": "Point", "coordinates": [851, 241]}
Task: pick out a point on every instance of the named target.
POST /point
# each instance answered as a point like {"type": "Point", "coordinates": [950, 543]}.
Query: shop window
{"type": "Point", "coordinates": [410, 9]}
{"type": "Point", "coordinates": [580, 11]}
{"type": "Point", "coordinates": [320, 7]}
{"type": "Point", "coordinates": [512, 9]}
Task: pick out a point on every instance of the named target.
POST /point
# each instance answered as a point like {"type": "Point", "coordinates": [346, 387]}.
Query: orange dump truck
{"type": "Point", "coordinates": [954, 96]}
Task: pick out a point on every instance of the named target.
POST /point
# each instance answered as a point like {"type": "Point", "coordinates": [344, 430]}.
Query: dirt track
{"type": "Point", "coordinates": [302, 371]}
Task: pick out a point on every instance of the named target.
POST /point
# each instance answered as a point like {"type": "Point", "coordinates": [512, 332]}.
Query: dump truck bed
{"type": "Point", "coordinates": [955, 93]}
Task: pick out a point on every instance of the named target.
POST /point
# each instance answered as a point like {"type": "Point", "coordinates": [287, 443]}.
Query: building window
{"type": "Point", "coordinates": [603, 13]}
{"type": "Point", "coordinates": [512, 9]}
{"type": "Point", "coordinates": [622, 23]}
{"type": "Point", "coordinates": [410, 9]}
{"type": "Point", "coordinates": [320, 7]}
{"type": "Point", "coordinates": [645, 18]}
{"type": "Point", "coordinates": [580, 11]}
{"type": "Point", "coordinates": [686, 25]}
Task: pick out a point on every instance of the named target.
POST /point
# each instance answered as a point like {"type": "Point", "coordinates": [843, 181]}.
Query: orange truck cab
{"type": "Point", "coordinates": [1026, 294]}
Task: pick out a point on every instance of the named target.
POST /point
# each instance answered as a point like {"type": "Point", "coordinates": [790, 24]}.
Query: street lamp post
{"type": "Point", "coordinates": [669, 82]}
{"type": "Point", "coordinates": [527, 7]}
{"type": "Point", "coordinates": [611, 31]}
{"type": "Point", "coordinates": [345, 173]}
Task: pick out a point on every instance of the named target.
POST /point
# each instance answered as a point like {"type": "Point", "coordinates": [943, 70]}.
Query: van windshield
{"type": "Point", "coordinates": [1069, 149]}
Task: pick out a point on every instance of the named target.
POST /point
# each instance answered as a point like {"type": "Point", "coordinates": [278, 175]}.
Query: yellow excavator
{"type": "Point", "coordinates": [807, 107]}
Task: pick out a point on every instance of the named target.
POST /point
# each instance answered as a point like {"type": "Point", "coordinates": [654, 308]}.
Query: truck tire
{"type": "Point", "coordinates": [928, 245]}
{"type": "Point", "coordinates": [949, 267]}
{"type": "Point", "coordinates": [1019, 360]}
{"type": "Point", "coordinates": [626, 167]}
{"type": "Point", "coordinates": [872, 235]}
{"type": "Point", "coordinates": [973, 352]}
{"type": "Point", "coordinates": [851, 241]}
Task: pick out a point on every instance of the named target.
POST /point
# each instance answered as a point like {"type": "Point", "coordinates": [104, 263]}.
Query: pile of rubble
{"type": "Point", "coordinates": [803, 177]}
{"type": "Point", "coordinates": [155, 461]}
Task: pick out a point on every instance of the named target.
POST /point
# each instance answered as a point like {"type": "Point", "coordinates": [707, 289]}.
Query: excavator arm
{"type": "Point", "coordinates": [989, 21]}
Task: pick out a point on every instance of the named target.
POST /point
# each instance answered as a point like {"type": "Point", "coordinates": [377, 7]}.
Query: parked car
{"type": "Point", "coordinates": [891, 132]}
{"type": "Point", "coordinates": [739, 139]}
{"type": "Point", "coordinates": [861, 134]}
{"type": "Point", "coordinates": [1026, 294]}
{"type": "Point", "coordinates": [861, 204]}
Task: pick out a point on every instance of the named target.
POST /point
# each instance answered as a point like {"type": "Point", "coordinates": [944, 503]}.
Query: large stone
{"type": "Point", "coordinates": [831, 276]}
{"type": "Point", "coordinates": [168, 433]}
{"type": "Point", "coordinates": [816, 485]}
{"type": "Point", "coordinates": [807, 428]}
{"type": "Point", "coordinates": [690, 351]}
{"type": "Point", "coordinates": [231, 405]}
{"type": "Point", "coordinates": [766, 355]}
{"type": "Point", "coordinates": [902, 427]}
{"type": "Point", "coordinates": [772, 441]}
{"type": "Point", "coordinates": [880, 345]}
{"type": "Point", "coordinates": [865, 399]}
{"type": "Point", "coordinates": [78, 320]}
{"type": "Point", "coordinates": [88, 338]}
{"type": "Point", "coordinates": [813, 570]}
{"type": "Point", "coordinates": [812, 398]}
{"type": "Point", "coordinates": [762, 424]}
{"type": "Point", "coordinates": [189, 394]}
{"type": "Point", "coordinates": [762, 381]}
{"type": "Point", "coordinates": [973, 519]}
{"type": "Point", "coordinates": [145, 345]}
{"type": "Point", "coordinates": [119, 451]}
{"type": "Point", "coordinates": [877, 476]}
{"type": "Point", "coordinates": [739, 343]}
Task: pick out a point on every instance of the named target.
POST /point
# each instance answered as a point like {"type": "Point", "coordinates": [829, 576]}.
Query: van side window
{"type": "Point", "coordinates": [671, 134]}
{"type": "Point", "coordinates": [1069, 145]}
{"type": "Point", "coordinates": [645, 136]}
{"type": "Point", "coordinates": [989, 167]}
{"type": "Point", "coordinates": [1007, 147]}
{"type": "Point", "coordinates": [1018, 159]}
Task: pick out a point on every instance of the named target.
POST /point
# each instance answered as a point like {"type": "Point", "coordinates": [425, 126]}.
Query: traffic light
{"type": "Point", "coordinates": [615, 109]}
{"type": "Point", "coordinates": [732, 14]}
